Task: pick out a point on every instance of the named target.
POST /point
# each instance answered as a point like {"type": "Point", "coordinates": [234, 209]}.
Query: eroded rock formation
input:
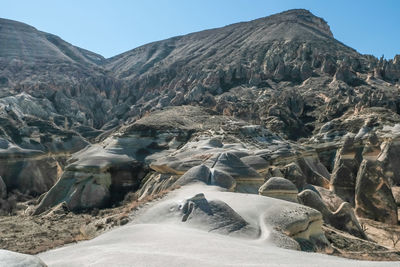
{"type": "Point", "coordinates": [229, 108]}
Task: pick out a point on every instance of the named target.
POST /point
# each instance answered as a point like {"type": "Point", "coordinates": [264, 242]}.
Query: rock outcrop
{"type": "Point", "coordinates": [374, 198]}
{"type": "Point", "coordinates": [343, 218]}
{"type": "Point", "coordinates": [247, 179]}
{"type": "Point", "coordinates": [293, 173]}
{"type": "Point", "coordinates": [94, 178]}
{"type": "Point", "coordinates": [347, 163]}
{"type": "Point", "coordinates": [199, 173]}
{"type": "Point", "coordinates": [223, 180]}
{"type": "Point", "coordinates": [216, 215]}
{"type": "Point", "coordinates": [315, 172]}
{"type": "Point", "coordinates": [281, 188]}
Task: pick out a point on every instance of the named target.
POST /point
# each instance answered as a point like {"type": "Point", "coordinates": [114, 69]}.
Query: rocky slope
{"type": "Point", "coordinates": [275, 107]}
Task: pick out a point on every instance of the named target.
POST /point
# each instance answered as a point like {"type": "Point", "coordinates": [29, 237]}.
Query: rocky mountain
{"type": "Point", "coordinates": [23, 42]}
{"type": "Point", "coordinates": [275, 107]}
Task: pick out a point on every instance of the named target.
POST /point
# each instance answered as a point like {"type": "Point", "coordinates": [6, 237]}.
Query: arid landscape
{"type": "Point", "coordinates": [261, 143]}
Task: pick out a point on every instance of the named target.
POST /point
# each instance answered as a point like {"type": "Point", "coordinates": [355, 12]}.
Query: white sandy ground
{"type": "Point", "coordinates": [159, 238]}
{"type": "Point", "coordinates": [13, 259]}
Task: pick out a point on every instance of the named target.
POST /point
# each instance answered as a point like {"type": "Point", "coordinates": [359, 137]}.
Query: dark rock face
{"type": "Point", "coordinates": [374, 198]}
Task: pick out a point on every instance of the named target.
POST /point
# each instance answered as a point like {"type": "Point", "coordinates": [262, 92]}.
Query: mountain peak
{"type": "Point", "coordinates": [24, 42]}
{"type": "Point", "coordinates": [302, 16]}
{"type": "Point", "coordinates": [16, 24]}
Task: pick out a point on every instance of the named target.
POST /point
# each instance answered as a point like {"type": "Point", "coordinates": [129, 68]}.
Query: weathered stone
{"type": "Point", "coordinates": [281, 188]}
{"type": "Point", "coordinates": [256, 162]}
{"type": "Point", "coordinates": [247, 179]}
{"type": "Point", "coordinates": [343, 218]}
{"type": "Point", "coordinates": [223, 180]}
{"type": "Point", "coordinates": [215, 215]}
{"type": "Point", "coordinates": [390, 160]}
{"type": "Point", "coordinates": [331, 200]}
{"type": "Point", "coordinates": [374, 198]}
{"type": "Point", "coordinates": [315, 172]}
{"type": "Point", "coordinates": [347, 162]}
{"type": "Point", "coordinates": [196, 174]}
{"type": "Point", "coordinates": [293, 173]}
{"type": "Point", "coordinates": [94, 179]}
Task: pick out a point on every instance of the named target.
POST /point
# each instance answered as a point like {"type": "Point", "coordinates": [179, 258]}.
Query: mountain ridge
{"type": "Point", "coordinates": [198, 68]}
{"type": "Point", "coordinates": [10, 31]}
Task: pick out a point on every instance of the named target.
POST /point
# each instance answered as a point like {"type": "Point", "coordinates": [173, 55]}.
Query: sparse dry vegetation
{"type": "Point", "coordinates": [394, 237]}
{"type": "Point", "coordinates": [364, 227]}
{"type": "Point", "coordinates": [34, 234]}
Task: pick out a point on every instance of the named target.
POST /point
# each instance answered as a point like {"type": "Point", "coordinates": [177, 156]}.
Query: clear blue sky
{"type": "Point", "coordinates": [115, 26]}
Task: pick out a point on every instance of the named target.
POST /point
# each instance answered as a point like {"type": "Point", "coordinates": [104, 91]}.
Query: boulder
{"type": "Point", "coordinates": [312, 188]}
{"type": "Point", "coordinates": [214, 215]}
{"type": "Point", "coordinates": [281, 188]}
{"type": "Point", "coordinates": [274, 172]}
{"type": "Point", "coordinates": [293, 173]}
{"type": "Point", "coordinates": [3, 189]}
{"type": "Point", "coordinates": [300, 223]}
{"type": "Point", "coordinates": [331, 200]}
{"type": "Point", "coordinates": [373, 194]}
{"type": "Point", "coordinates": [247, 179]}
{"type": "Point", "coordinates": [199, 173]}
{"type": "Point", "coordinates": [223, 180]}
{"type": "Point", "coordinates": [343, 218]}
{"type": "Point", "coordinates": [9, 205]}
{"type": "Point", "coordinates": [314, 171]}
{"type": "Point", "coordinates": [14, 259]}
